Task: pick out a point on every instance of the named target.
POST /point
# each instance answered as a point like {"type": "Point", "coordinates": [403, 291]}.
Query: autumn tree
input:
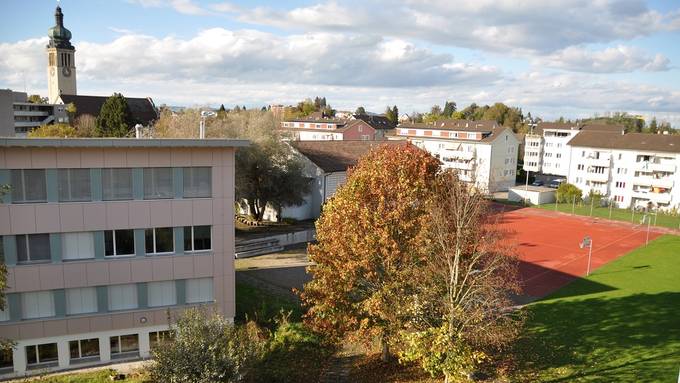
{"type": "Point", "coordinates": [369, 237]}
{"type": "Point", "coordinates": [460, 311]}
{"type": "Point", "coordinates": [392, 114]}
{"type": "Point", "coordinates": [360, 111]}
{"type": "Point", "coordinates": [54, 130]}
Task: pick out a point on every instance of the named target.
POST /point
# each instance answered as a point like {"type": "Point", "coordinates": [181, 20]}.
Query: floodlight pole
{"type": "Point", "coordinates": [590, 255]}
{"type": "Point", "coordinates": [526, 189]}
{"type": "Point", "coordinates": [649, 224]}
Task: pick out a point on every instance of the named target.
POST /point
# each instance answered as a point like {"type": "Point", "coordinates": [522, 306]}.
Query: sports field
{"type": "Point", "coordinates": [621, 324]}
{"type": "Point", "coordinates": [548, 245]}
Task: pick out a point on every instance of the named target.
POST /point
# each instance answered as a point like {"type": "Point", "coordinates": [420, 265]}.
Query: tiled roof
{"type": "Point", "coordinates": [460, 125]}
{"type": "Point", "coordinates": [142, 110]}
{"type": "Point", "coordinates": [628, 141]}
{"type": "Point", "coordinates": [376, 121]}
{"type": "Point", "coordinates": [337, 156]}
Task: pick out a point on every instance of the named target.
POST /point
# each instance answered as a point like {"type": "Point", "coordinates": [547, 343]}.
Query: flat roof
{"type": "Point", "coordinates": [122, 142]}
{"type": "Point", "coordinates": [531, 188]}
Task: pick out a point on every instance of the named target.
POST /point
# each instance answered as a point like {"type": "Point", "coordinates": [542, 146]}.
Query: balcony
{"type": "Point", "coordinates": [653, 197]}
{"type": "Point", "coordinates": [530, 168]}
{"type": "Point", "coordinates": [31, 113]}
{"type": "Point", "coordinates": [662, 167]}
{"type": "Point", "coordinates": [459, 165]}
{"type": "Point", "coordinates": [666, 183]}
{"type": "Point", "coordinates": [598, 177]}
{"type": "Point", "coordinates": [458, 154]}
{"type": "Point", "coordinates": [604, 162]}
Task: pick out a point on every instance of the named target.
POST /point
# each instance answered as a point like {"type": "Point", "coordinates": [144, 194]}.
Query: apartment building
{"type": "Point", "coordinates": [546, 150]}
{"type": "Point", "coordinates": [105, 239]}
{"type": "Point", "coordinates": [632, 169]}
{"type": "Point", "coordinates": [18, 116]}
{"type": "Point", "coordinates": [482, 152]}
{"type": "Point", "coordinates": [318, 128]}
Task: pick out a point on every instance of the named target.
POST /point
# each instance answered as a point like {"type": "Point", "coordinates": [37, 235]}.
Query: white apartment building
{"type": "Point", "coordinates": [633, 169]}
{"type": "Point", "coordinates": [546, 150]}
{"type": "Point", "coordinates": [483, 152]}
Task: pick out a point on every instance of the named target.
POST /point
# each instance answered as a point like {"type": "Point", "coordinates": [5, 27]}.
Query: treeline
{"type": "Point", "coordinates": [633, 124]}
{"type": "Point", "coordinates": [505, 115]}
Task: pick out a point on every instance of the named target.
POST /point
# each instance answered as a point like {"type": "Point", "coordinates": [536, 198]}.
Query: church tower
{"type": "Point", "coordinates": [61, 60]}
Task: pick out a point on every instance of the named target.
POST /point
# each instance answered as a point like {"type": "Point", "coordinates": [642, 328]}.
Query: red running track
{"type": "Point", "coordinates": [548, 245]}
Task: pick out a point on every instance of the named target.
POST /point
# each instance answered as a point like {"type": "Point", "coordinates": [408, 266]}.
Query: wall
{"type": "Point", "coordinates": [6, 113]}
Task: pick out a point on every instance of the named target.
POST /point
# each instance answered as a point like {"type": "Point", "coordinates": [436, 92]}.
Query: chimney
{"type": "Point", "coordinates": [138, 131]}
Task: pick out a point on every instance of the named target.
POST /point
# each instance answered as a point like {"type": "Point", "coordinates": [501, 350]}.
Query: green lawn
{"type": "Point", "coordinates": [102, 376]}
{"type": "Point", "coordinates": [263, 307]}
{"type": "Point", "coordinates": [664, 220]}
{"type": "Point", "coordinates": [621, 324]}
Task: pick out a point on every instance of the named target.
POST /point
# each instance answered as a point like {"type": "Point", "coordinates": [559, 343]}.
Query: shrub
{"type": "Point", "coordinates": [54, 130]}
{"type": "Point", "coordinates": [207, 349]}
{"type": "Point", "coordinates": [566, 193]}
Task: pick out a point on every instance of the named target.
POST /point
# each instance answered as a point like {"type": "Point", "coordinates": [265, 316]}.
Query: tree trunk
{"type": "Point", "coordinates": [251, 207]}
{"type": "Point", "coordinates": [385, 353]}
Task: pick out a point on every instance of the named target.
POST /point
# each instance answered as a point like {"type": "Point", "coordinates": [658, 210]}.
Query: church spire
{"type": "Point", "coordinates": [60, 37]}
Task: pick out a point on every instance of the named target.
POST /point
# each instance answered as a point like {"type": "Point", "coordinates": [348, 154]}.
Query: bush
{"type": "Point", "coordinates": [54, 130]}
{"type": "Point", "coordinates": [207, 349]}
{"type": "Point", "coordinates": [566, 193]}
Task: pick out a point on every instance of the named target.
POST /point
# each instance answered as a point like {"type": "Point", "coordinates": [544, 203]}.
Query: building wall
{"type": "Point", "coordinates": [305, 135]}
{"type": "Point", "coordinates": [60, 218]}
{"type": "Point", "coordinates": [556, 153]}
{"type": "Point", "coordinates": [628, 177]}
{"type": "Point", "coordinates": [359, 131]}
{"type": "Point", "coordinates": [6, 113]}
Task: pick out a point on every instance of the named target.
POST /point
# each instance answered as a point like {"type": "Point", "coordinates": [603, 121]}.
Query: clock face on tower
{"type": "Point", "coordinates": [66, 71]}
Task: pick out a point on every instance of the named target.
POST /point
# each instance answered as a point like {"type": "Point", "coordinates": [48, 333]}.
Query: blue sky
{"type": "Point", "coordinates": [569, 58]}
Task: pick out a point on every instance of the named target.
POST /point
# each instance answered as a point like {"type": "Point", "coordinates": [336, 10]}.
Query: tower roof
{"type": "Point", "coordinates": [60, 37]}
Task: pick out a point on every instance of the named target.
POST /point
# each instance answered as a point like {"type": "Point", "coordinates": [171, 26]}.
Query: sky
{"type": "Point", "coordinates": [571, 58]}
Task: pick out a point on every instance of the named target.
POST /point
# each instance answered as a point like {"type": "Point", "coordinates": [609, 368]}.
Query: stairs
{"type": "Point", "coordinates": [253, 247]}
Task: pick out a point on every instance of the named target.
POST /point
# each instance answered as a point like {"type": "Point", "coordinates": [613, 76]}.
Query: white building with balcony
{"type": "Point", "coordinates": [483, 152]}
{"type": "Point", "coordinates": [18, 116]}
{"type": "Point", "coordinates": [632, 169]}
{"type": "Point", "coordinates": [546, 150]}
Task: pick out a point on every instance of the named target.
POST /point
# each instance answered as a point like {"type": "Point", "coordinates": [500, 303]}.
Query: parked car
{"type": "Point", "coordinates": [537, 183]}
{"type": "Point", "coordinates": [556, 183]}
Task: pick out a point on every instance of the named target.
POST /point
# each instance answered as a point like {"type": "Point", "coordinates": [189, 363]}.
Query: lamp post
{"type": "Point", "coordinates": [526, 189]}
{"type": "Point", "coordinates": [587, 242]}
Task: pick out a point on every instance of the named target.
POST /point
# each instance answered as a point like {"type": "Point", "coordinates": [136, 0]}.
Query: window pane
{"type": "Point", "coordinates": [31, 355]}
{"type": "Point", "coordinates": [6, 359]}
{"type": "Point", "coordinates": [158, 183]}
{"type": "Point", "coordinates": [77, 245]}
{"type": "Point", "coordinates": [125, 242]}
{"type": "Point", "coordinates": [115, 344]}
{"type": "Point", "coordinates": [187, 238]}
{"type": "Point", "coordinates": [81, 300]}
{"type": "Point", "coordinates": [47, 352]}
{"type": "Point", "coordinates": [29, 185]}
{"type": "Point", "coordinates": [122, 297]}
{"type": "Point", "coordinates": [39, 247]}
{"type": "Point", "coordinates": [148, 240]}
{"type": "Point", "coordinates": [108, 243]}
{"type": "Point", "coordinates": [197, 182]}
{"type": "Point", "coordinates": [22, 249]}
{"type": "Point", "coordinates": [199, 290]}
{"type": "Point", "coordinates": [129, 343]}
{"type": "Point", "coordinates": [116, 184]}
{"type": "Point", "coordinates": [162, 293]}
{"type": "Point", "coordinates": [74, 185]}
{"type": "Point", "coordinates": [201, 238]}
{"type": "Point", "coordinates": [164, 241]}
{"type": "Point", "coordinates": [89, 347]}
{"type": "Point", "coordinates": [74, 351]}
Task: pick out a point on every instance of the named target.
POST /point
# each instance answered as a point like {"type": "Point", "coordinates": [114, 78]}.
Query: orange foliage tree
{"type": "Point", "coordinates": [369, 240]}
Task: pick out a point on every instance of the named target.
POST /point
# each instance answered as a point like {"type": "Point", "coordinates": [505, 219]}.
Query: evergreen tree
{"type": "Point", "coordinates": [449, 108]}
{"type": "Point", "coordinates": [360, 110]}
{"type": "Point", "coordinates": [114, 119]}
{"type": "Point", "coordinates": [653, 126]}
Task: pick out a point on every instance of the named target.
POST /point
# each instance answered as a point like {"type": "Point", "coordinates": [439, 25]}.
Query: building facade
{"type": "Point", "coordinates": [328, 129]}
{"type": "Point", "coordinates": [104, 239]}
{"type": "Point", "coordinates": [630, 170]}
{"type": "Point", "coordinates": [18, 116]}
{"type": "Point", "coordinates": [483, 153]}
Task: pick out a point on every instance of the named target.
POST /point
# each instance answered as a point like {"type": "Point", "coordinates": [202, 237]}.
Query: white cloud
{"type": "Point", "coordinates": [527, 26]}
{"type": "Point", "coordinates": [610, 60]}
{"type": "Point", "coordinates": [187, 7]}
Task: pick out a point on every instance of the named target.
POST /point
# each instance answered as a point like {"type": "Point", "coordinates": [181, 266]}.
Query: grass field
{"type": "Point", "coordinates": [621, 324]}
{"type": "Point", "coordinates": [102, 376]}
{"type": "Point", "coordinates": [663, 220]}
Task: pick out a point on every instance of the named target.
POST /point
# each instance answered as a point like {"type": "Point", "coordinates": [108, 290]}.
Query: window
{"type": "Point", "coordinates": [122, 297]}
{"type": "Point", "coordinates": [33, 248]}
{"type": "Point", "coordinates": [77, 246]}
{"type": "Point", "coordinates": [365, 137]}
{"type": "Point", "coordinates": [157, 183]}
{"type": "Point", "coordinates": [116, 184]}
{"type": "Point", "coordinates": [157, 338]}
{"type": "Point", "coordinates": [199, 290]}
{"type": "Point", "coordinates": [74, 185]}
{"type": "Point", "coordinates": [39, 304]}
{"type": "Point", "coordinates": [123, 345]}
{"type": "Point", "coordinates": [197, 182]}
{"type": "Point", "coordinates": [6, 359]}
{"type": "Point", "coordinates": [162, 293]}
{"type": "Point", "coordinates": [119, 243]}
{"type": "Point", "coordinates": [41, 354]}
{"type": "Point", "coordinates": [4, 314]}
{"type": "Point", "coordinates": [81, 301]}
{"type": "Point", "coordinates": [29, 185]}
{"type": "Point", "coordinates": [84, 349]}
{"type": "Point", "coordinates": [197, 238]}
{"type": "Point", "coordinates": [159, 240]}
